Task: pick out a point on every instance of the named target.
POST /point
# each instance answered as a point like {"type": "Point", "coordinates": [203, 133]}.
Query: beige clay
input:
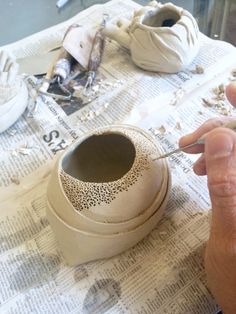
{"type": "Point", "coordinates": [161, 37]}
{"type": "Point", "coordinates": [106, 193]}
{"type": "Point", "coordinates": [13, 92]}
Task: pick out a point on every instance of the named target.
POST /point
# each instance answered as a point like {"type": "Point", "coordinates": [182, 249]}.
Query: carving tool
{"type": "Point", "coordinates": [59, 72]}
{"type": "Point", "coordinates": [231, 125]}
{"type": "Point", "coordinates": [96, 55]}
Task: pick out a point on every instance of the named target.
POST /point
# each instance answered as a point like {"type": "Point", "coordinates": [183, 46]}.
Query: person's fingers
{"type": "Point", "coordinates": [220, 156]}
{"type": "Point", "coordinates": [230, 92]}
{"type": "Point", "coordinates": [199, 166]}
{"type": "Point", "coordinates": [193, 137]}
{"type": "Point", "coordinates": [202, 130]}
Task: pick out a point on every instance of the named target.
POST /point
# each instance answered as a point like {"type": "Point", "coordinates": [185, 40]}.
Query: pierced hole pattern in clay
{"type": "Point", "coordinates": [84, 195]}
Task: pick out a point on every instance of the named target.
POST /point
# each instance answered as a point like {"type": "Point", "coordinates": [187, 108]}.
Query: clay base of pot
{"type": "Point", "coordinates": [80, 247]}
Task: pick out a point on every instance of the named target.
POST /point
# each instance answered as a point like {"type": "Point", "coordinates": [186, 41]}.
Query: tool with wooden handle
{"type": "Point", "coordinates": [96, 55]}
{"type": "Point", "coordinates": [231, 125]}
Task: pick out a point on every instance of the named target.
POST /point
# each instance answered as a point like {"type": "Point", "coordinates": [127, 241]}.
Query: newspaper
{"type": "Point", "coordinates": [164, 273]}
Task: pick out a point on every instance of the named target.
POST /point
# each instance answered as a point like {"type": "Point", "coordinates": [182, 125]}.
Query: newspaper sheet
{"type": "Point", "coordinates": [162, 274]}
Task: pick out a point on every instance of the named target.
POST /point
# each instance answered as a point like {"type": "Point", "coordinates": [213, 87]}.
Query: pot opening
{"type": "Point", "coordinates": [101, 158]}
{"type": "Point", "coordinates": [164, 17]}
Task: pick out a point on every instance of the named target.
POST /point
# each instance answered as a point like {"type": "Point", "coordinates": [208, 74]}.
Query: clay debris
{"type": "Point", "coordinates": [198, 70]}
{"type": "Point", "coordinates": [178, 126]}
{"type": "Point", "coordinates": [218, 101]}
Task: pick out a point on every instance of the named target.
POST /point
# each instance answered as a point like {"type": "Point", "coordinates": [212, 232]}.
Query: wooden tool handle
{"type": "Point", "coordinates": [97, 52]}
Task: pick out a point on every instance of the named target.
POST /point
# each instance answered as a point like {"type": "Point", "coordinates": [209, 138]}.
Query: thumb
{"type": "Point", "coordinates": [220, 154]}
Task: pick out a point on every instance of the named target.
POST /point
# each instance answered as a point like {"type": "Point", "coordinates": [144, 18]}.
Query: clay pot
{"type": "Point", "coordinates": [13, 92]}
{"type": "Point", "coordinates": [106, 193]}
{"type": "Point", "coordinates": [11, 110]}
{"type": "Point", "coordinates": [161, 37]}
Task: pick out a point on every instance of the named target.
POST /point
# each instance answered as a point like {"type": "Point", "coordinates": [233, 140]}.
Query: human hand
{"type": "Point", "coordinates": [218, 162]}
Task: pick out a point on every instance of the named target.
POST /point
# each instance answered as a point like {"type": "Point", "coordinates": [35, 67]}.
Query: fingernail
{"type": "Point", "coordinates": [220, 145]}
{"type": "Point", "coordinates": [185, 139]}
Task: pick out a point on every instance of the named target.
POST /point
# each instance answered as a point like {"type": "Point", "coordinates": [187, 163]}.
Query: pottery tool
{"type": "Point", "coordinates": [61, 67]}
{"type": "Point", "coordinates": [178, 150]}
{"type": "Point", "coordinates": [58, 72]}
{"type": "Point", "coordinates": [73, 58]}
{"type": "Point", "coordinates": [231, 125]}
{"type": "Point", "coordinates": [53, 73]}
{"type": "Point", "coordinates": [96, 55]}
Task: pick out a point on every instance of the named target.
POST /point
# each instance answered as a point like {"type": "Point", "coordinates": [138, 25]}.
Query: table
{"type": "Point", "coordinates": [33, 254]}
{"type": "Point", "coordinates": [215, 17]}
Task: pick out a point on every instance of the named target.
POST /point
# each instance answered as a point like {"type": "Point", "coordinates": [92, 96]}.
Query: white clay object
{"type": "Point", "coordinates": [106, 193]}
{"type": "Point", "coordinates": [161, 37]}
{"type": "Point", "coordinates": [13, 92]}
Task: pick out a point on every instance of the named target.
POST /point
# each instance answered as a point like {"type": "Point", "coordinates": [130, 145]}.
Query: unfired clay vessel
{"type": "Point", "coordinates": [161, 37]}
{"type": "Point", "coordinates": [106, 193]}
{"type": "Point", "coordinates": [13, 92]}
